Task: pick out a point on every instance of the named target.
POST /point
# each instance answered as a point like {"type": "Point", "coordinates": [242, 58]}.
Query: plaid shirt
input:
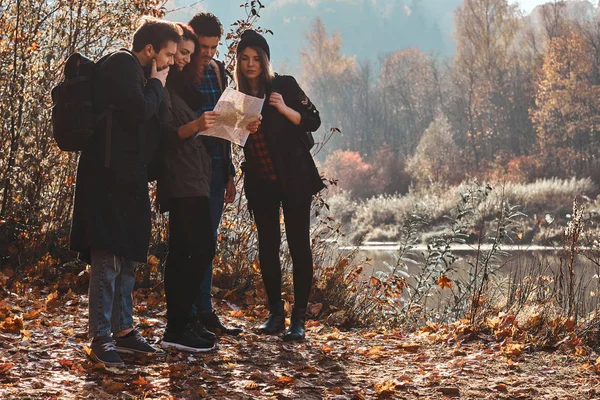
{"type": "Point", "coordinates": [209, 87]}
{"type": "Point", "coordinates": [258, 157]}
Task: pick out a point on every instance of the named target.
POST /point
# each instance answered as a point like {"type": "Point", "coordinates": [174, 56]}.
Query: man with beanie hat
{"type": "Point", "coordinates": [209, 83]}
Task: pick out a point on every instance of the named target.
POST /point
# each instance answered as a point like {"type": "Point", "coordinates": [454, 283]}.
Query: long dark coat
{"type": "Point", "coordinates": [292, 161]}
{"type": "Point", "coordinates": [112, 206]}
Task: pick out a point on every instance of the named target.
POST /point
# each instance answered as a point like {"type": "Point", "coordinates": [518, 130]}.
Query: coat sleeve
{"type": "Point", "coordinates": [167, 124]}
{"type": "Point", "coordinates": [299, 101]}
{"type": "Point", "coordinates": [230, 167]}
{"type": "Point", "coordinates": [138, 102]}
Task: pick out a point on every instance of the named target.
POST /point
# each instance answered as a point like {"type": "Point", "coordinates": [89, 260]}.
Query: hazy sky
{"type": "Point", "coordinates": [226, 5]}
{"type": "Point", "coordinates": [528, 5]}
{"type": "Point", "coordinates": [369, 28]}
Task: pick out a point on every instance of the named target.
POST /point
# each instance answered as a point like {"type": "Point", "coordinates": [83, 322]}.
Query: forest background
{"type": "Point", "coordinates": [479, 132]}
{"type": "Point", "coordinates": [487, 146]}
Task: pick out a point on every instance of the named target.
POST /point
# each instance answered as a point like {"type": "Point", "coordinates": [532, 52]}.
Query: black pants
{"type": "Point", "coordinates": [266, 198]}
{"type": "Point", "coordinates": [191, 249]}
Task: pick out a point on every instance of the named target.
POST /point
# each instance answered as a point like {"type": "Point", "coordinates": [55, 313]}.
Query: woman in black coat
{"type": "Point", "coordinates": [183, 189]}
{"type": "Point", "coordinates": [279, 172]}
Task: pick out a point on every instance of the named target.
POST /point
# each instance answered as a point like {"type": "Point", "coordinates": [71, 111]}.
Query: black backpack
{"type": "Point", "coordinates": [73, 116]}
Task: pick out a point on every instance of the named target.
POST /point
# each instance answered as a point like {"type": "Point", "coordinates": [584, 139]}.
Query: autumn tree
{"type": "Point", "coordinates": [411, 88]}
{"type": "Point", "coordinates": [489, 80]}
{"type": "Point", "coordinates": [567, 106]}
{"type": "Point", "coordinates": [437, 158]}
{"type": "Point", "coordinates": [327, 74]}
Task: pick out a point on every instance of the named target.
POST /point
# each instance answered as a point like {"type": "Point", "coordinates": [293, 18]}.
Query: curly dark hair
{"type": "Point", "coordinates": [155, 32]}
{"type": "Point", "coordinates": [206, 24]}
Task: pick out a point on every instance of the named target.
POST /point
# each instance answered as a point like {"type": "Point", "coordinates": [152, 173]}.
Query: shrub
{"type": "Point", "coordinates": [351, 171]}
{"type": "Point", "coordinates": [389, 172]}
{"type": "Point", "coordinates": [437, 156]}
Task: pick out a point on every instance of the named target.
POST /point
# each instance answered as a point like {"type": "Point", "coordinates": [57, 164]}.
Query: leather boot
{"type": "Point", "coordinates": [296, 330]}
{"type": "Point", "coordinates": [211, 321]}
{"type": "Point", "coordinates": [276, 321]}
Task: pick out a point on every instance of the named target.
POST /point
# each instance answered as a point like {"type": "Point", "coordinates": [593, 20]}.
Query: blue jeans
{"type": "Point", "coordinates": [112, 279]}
{"type": "Point", "coordinates": [203, 301]}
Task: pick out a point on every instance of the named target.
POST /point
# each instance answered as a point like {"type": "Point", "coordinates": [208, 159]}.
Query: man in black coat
{"type": "Point", "coordinates": [111, 214]}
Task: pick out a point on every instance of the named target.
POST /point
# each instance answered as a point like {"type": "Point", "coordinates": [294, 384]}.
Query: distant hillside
{"type": "Point", "coordinates": [369, 28]}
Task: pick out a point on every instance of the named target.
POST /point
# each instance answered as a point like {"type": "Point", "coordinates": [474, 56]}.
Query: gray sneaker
{"type": "Point", "coordinates": [104, 351]}
{"type": "Point", "coordinates": [134, 343]}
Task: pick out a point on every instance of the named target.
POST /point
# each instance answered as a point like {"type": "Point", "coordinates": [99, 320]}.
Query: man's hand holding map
{"type": "Point", "coordinates": [237, 111]}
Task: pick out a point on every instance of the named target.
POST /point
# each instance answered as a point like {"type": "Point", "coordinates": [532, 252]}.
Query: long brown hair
{"type": "Point", "coordinates": [265, 78]}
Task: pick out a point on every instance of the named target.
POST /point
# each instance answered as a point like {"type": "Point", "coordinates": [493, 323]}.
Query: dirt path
{"type": "Point", "coordinates": [45, 358]}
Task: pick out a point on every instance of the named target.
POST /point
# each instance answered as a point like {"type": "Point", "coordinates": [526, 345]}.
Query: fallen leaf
{"type": "Point", "coordinates": [5, 367]}
{"type": "Point", "coordinates": [449, 391]}
{"type": "Point", "coordinates": [114, 387]}
{"type": "Point", "coordinates": [52, 300]}
{"type": "Point", "coordinates": [326, 349]}
{"type": "Point", "coordinates": [284, 380]}
{"type": "Point", "coordinates": [337, 390]}
{"type": "Point", "coordinates": [33, 314]}
{"type": "Point", "coordinates": [512, 349]}
{"type": "Point", "coordinates": [385, 388]}
{"type": "Point", "coordinates": [410, 347]}
{"type": "Point", "coordinates": [444, 282]}
{"type": "Point", "coordinates": [251, 385]}
{"type": "Point", "coordinates": [87, 350]}
{"type": "Point", "coordinates": [501, 387]}
{"type": "Point", "coordinates": [140, 381]}
{"type": "Point", "coordinates": [12, 325]}
{"type": "Point", "coordinates": [66, 363]}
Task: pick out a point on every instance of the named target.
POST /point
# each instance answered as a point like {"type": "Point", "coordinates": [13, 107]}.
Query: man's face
{"type": "Point", "coordinates": [166, 56]}
{"type": "Point", "coordinates": [208, 48]}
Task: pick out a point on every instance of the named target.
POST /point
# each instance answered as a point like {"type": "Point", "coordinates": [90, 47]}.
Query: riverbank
{"type": "Point", "coordinates": [547, 206]}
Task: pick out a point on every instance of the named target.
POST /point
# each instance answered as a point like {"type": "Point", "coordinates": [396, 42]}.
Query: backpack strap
{"type": "Point", "coordinates": [108, 114]}
{"type": "Point", "coordinates": [217, 69]}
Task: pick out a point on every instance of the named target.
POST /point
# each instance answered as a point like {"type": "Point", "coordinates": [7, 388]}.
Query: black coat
{"type": "Point", "coordinates": [112, 206]}
{"type": "Point", "coordinates": [186, 167]}
{"type": "Point", "coordinates": [287, 144]}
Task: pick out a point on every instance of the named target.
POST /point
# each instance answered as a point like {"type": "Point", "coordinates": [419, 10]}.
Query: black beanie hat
{"type": "Point", "coordinates": [253, 38]}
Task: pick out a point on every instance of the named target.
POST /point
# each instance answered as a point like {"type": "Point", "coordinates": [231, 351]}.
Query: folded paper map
{"type": "Point", "coordinates": [237, 110]}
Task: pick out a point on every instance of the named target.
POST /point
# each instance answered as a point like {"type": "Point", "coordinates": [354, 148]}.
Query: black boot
{"type": "Point", "coordinates": [296, 330]}
{"type": "Point", "coordinates": [211, 321]}
{"type": "Point", "coordinates": [276, 321]}
{"type": "Point", "coordinates": [201, 330]}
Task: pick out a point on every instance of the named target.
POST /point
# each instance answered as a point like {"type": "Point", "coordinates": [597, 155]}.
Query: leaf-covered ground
{"type": "Point", "coordinates": [43, 355]}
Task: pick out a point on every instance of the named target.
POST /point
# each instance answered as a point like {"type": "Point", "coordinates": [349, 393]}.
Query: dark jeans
{"type": "Point", "coordinates": [266, 198]}
{"type": "Point", "coordinates": [191, 248]}
{"type": "Point", "coordinates": [203, 301]}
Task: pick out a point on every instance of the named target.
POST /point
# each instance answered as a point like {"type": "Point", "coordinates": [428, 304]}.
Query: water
{"type": "Point", "coordinates": [521, 262]}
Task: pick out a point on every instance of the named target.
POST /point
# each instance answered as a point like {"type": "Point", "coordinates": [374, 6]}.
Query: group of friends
{"type": "Point", "coordinates": [162, 93]}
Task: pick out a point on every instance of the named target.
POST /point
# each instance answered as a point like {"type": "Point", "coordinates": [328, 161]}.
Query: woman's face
{"type": "Point", "coordinates": [250, 63]}
{"type": "Point", "coordinates": [184, 53]}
